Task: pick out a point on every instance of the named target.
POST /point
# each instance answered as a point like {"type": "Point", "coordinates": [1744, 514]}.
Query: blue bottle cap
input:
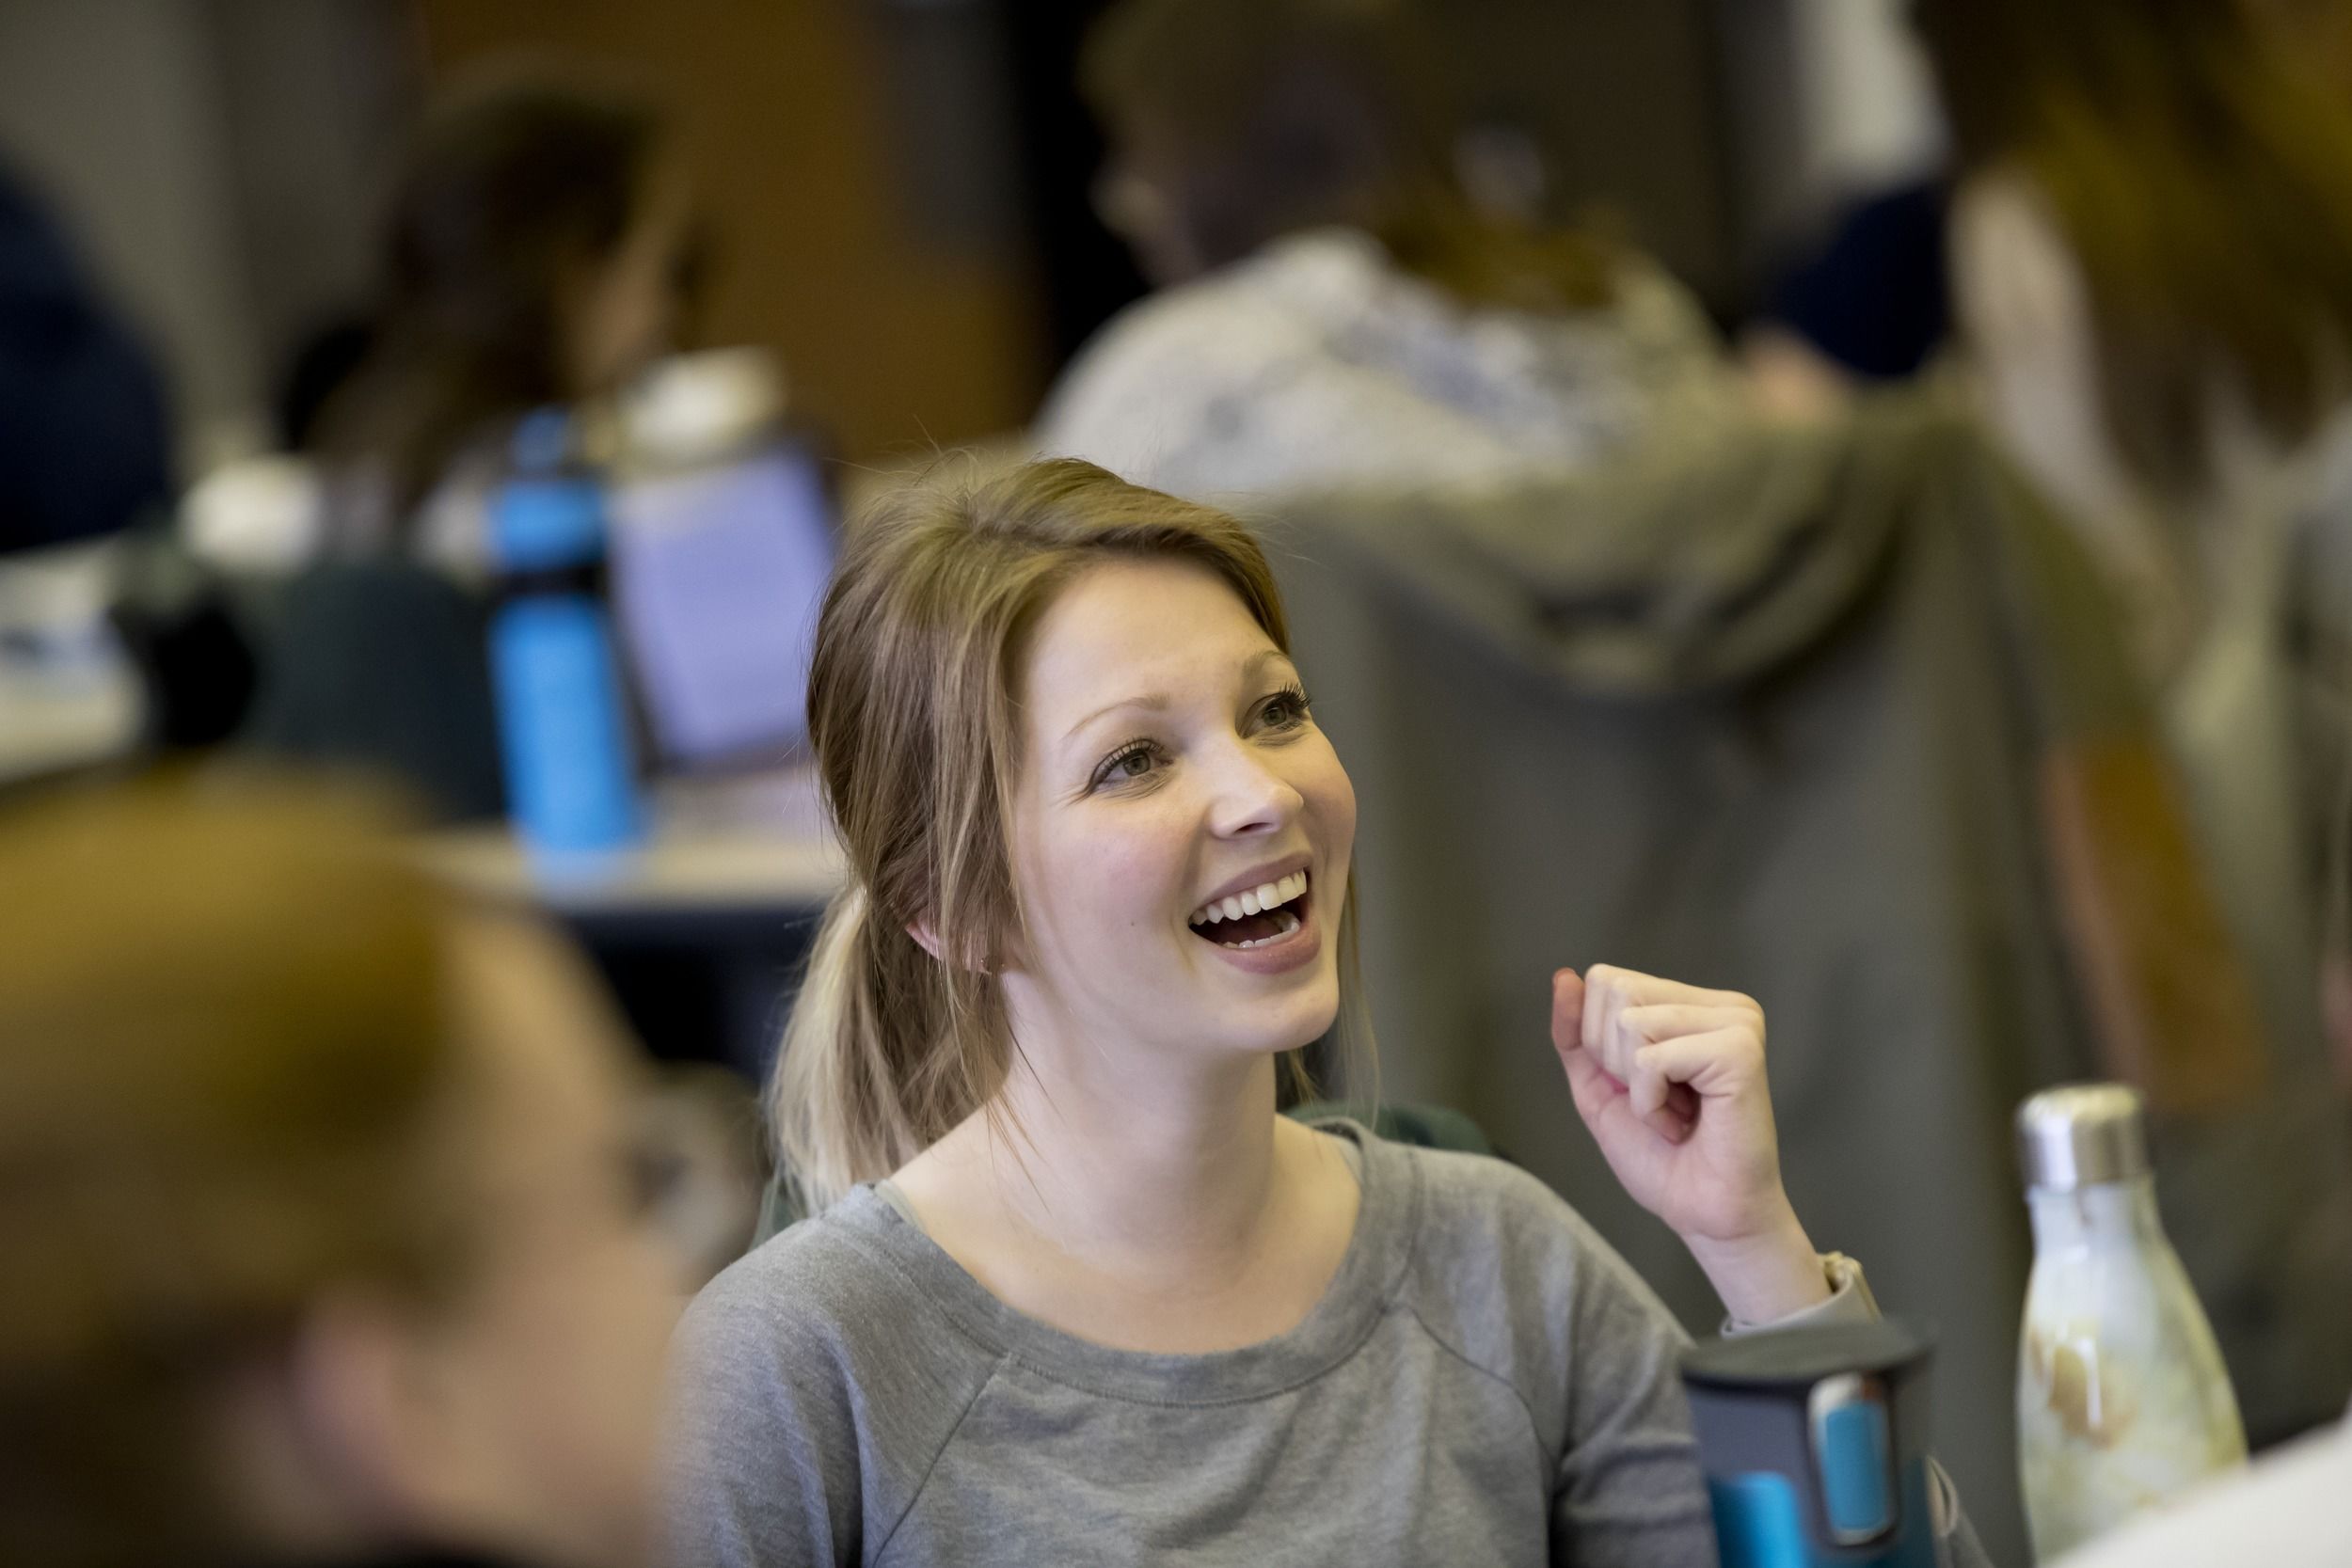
{"type": "Point", "coordinates": [547, 524]}
{"type": "Point", "coordinates": [542, 441]}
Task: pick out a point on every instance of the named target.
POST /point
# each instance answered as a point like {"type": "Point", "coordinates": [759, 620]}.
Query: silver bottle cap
{"type": "Point", "coordinates": [2081, 1136]}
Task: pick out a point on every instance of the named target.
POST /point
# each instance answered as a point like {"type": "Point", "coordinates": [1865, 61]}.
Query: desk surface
{"type": "Point", "coordinates": [758, 845]}
{"type": "Point", "coordinates": [674, 872]}
{"type": "Point", "coordinates": [44, 730]}
{"type": "Point", "coordinates": [70, 694]}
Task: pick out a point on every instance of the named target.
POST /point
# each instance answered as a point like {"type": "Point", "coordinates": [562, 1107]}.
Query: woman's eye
{"type": "Point", "coordinates": [1285, 710]}
{"type": "Point", "coordinates": [1127, 766]}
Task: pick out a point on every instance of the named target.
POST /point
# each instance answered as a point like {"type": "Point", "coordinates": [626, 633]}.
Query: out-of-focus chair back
{"type": "Point", "coordinates": [382, 666]}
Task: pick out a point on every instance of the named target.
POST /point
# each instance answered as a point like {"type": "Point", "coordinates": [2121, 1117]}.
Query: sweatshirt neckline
{"type": "Point", "coordinates": [1334, 1329]}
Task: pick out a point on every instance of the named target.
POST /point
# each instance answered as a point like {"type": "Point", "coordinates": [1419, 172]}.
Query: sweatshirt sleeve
{"type": "Point", "coordinates": [1627, 1493]}
{"type": "Point", "coordinates": [812, 1392]}
{"type": "Point", "coordinates": [762, 1457]}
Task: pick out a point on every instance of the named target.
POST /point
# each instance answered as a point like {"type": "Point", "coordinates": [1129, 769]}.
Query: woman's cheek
{"type": "Point", "coordinates": [1122, 880]}
{"type": "Point", "coordinates": [1334, 796]}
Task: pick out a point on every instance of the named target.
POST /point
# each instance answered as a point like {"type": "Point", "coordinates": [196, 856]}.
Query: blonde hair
{"type": "Point", "coordinates": [225, 1050]}
{"type": "Point", "coordinates": [912, 697]}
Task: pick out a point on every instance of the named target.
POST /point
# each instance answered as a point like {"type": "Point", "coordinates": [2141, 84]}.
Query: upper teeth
{"type": "Point", "coordinates": [1256, 901]}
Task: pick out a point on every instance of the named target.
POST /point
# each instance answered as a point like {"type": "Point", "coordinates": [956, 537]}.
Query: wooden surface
{"type": "Point", "coordinates": [675, 874]}
{"type": "Point", "coordinates": [745, 845]}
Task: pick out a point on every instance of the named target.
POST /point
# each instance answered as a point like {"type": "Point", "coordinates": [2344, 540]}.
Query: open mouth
{"type": "Point", "coordinates": [1256, 918]}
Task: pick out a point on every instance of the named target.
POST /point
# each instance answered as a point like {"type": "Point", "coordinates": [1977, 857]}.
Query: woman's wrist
{"type": "Point", "coordinates": [1771, 1272]}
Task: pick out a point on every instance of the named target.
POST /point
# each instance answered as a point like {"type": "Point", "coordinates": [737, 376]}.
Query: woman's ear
{"type": "Point", "coordinates": [928, 940]}
{"type": "Point", "coordinates": [373, 1420]}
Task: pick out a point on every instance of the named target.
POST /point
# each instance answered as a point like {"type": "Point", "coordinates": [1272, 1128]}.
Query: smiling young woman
{"type": "Point", "coordinates": [901, 1031]}
{"type": "Point", "coordinates": [1072, 1290]}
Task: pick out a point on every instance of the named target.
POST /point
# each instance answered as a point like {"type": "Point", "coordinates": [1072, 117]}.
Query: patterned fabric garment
{"type": "Point", "coordinates": [1317, 363]}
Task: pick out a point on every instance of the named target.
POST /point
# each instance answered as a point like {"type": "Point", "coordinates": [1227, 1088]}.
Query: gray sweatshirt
{"type": "Point", "coordinates": [1483, 1381]}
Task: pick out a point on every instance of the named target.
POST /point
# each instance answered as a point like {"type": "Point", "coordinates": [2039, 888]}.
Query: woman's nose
{"type": "Point", "coordinates": [1251, 797]}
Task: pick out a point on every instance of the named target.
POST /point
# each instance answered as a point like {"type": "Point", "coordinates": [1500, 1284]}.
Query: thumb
{"type": "Point", "coordinates": [1568, 1011]}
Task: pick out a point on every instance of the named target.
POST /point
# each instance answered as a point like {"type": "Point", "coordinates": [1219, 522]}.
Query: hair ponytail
{"type": "Point", "coordinates": [886, 1048]}
{"type": "Point", "coordinates": [820, 1146]}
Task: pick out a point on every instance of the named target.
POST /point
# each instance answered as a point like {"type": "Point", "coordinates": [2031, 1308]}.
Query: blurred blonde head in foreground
{"type": "Point", "coordinates": [315, 1193]}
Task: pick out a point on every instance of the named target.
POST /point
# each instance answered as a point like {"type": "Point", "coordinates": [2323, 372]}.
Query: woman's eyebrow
{"type": "Point", "coordinates": [1155, 701]}
{"type": "Point", "coordinates": [1263, 658]}
{"type": "Point", "coordinates": [1160, 701]}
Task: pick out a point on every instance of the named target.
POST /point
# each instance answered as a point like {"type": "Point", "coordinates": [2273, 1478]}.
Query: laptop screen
{"type": "Point", "coordinates": [718, 574]}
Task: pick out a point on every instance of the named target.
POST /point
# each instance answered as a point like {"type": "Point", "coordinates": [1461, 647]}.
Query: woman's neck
{"type": "Point", "coordinates": [1168, 1211]}
{"type": "Point", "coordinates": [1138, 1175]}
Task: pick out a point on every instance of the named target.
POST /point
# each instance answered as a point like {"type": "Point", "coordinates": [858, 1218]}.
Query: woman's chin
{"type": "Point", "coordinates": [1292, 1024]}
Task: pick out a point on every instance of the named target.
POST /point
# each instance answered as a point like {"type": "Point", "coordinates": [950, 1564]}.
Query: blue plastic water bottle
{"type": "Point", "coordinates": [571, 777]}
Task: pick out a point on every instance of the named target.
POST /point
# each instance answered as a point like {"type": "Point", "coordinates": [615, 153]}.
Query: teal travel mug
{"type": "Point", "coordinates": [1814, 1447]}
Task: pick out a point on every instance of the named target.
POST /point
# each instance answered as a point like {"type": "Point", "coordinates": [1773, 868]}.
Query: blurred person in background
{"type": "Point", "coordinates": [2149, 266]}
{"type": "Point", "coordinates": [85, 433]}
{"type": "Point", "coordinates": [322, 1196]}
{"type": "Point", "coordinates": [1334, 308]}
{"type": "Point", "coordinates": [2150, 263]}
{"type": "Point", "coordinates": [1870, 304]}
{"type": "Point", "coordinates": [2152, 269]}
{"type": "Point", "coordinates": [541, 253]}
{"type": "Point", "coordinates": [2289, 1510]}
{"type": "Point", "coordinates": [84, 460]}
{"type": "Point", "coordinates": [1873, 302]}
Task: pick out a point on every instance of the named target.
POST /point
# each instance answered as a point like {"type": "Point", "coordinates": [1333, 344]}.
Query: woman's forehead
{"type": "Point", "coordinates": [1127, 629]}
